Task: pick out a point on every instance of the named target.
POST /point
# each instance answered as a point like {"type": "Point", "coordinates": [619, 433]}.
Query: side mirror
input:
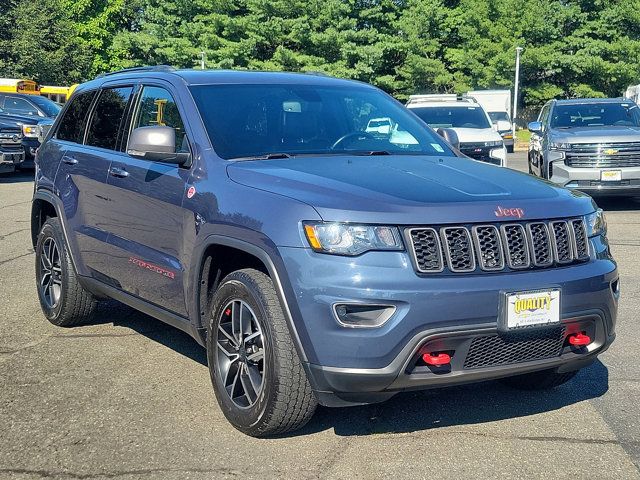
{"type": "Point", "coordinates": [156, 143]}
{"type": "Point", "coordinates": [503, 125]}
{"type": "Point", "coordinates": [450, 136]}
{"type": "Point", "coordinates": [535, 127]}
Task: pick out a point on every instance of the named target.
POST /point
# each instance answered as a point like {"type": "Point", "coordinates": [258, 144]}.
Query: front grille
{"type": "Point", "coordinates": [478, 151]}
{"type": "Point", "coordinates": [603, 155]}
{"type": "Point", "coordinates": [515, 347]}
{"type": "Point", "coordinates": [10, 137]}
{"type": "Point", "coordinates": [516, 246]}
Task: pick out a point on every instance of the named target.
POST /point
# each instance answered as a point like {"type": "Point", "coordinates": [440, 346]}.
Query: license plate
{"type": "Point", "coordinates": [610, 175]}
{"type": "Point", "coordinates": [531, 308]}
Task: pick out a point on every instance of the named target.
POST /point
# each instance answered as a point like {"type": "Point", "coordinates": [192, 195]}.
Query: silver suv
{"type": "Point", "coordinates": [592, 145]}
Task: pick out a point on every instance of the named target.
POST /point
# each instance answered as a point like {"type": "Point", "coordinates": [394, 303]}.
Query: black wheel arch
{"type": "Point", "coordinates": [236, 254]}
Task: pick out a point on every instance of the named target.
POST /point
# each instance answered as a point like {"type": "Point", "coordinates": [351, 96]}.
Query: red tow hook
{"type": "Point", "coordinates": [579, 339]}
{"type": "Point", "coordinates": [436, 359]}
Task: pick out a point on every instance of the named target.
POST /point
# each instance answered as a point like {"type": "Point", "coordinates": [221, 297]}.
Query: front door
{"type": "Point", "coordinates": [147, 236]}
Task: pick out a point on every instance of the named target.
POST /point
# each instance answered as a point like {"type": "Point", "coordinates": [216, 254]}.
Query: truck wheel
{"type": "Point", "coordinates": [63, 300]}
{"type": "Point", "coordinates": [257, 376]}
{"type": "Point", "coordinates": [543, 380]}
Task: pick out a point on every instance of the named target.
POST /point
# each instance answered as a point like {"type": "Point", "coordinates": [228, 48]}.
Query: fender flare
{"type": "Point", "coordinates": [56, 202]}
{"type": "Point", "coordinates": [274, 272]}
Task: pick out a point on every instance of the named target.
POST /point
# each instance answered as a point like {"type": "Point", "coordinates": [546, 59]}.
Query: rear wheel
{"type": "Point", "coordinates": [543, 380]}
{"type": "Point", "coordinates": [63, 300]}
{"type": "Point", "coordinates": [257, 377]}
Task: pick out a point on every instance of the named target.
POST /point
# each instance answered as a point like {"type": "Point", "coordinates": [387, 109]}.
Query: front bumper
{"type": "Point", "coordinates": [10, 159]}
{"type": "Point", "coordinates": [589, 180]}
{"type": "Point", "coordinates": [360, 365]}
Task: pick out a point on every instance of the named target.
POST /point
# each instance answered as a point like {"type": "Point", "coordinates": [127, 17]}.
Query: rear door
{"type": "Point", "coordinates": [147, 235]}
{"type": "Point", "coordinates": [88, 146]}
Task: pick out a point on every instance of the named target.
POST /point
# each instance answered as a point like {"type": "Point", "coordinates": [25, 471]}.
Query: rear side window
{"type": "Point", "coordinates": [108, 116]}
{"type": "Point", "coordinates": [74, 120]}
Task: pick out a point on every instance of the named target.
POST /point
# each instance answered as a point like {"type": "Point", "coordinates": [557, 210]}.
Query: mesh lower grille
{"type": "Point", "coordinates": [515, 347]}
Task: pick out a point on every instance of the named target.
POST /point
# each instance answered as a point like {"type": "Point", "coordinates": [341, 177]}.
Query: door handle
{"type": "Point", "coordinates": [69, 160]}
{"type": "Point", "coordinates": [118, 172]}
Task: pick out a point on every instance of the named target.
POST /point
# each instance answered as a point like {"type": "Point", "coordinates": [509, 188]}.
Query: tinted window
{"type": "Point", "coordinates": [157, 107]}
{"type": "Point", "coordinates": [19, 106]}
{"type": "Point", "coordinates": [107, 117]}
{"type": "Point", "coordinates": [458, 116]}
{"type": "Point", "coordinates": [596, 115]}
{"type": "Point", "coordinates": [256, 120]}
{"type": "Point", "coordinates": [73, 122]}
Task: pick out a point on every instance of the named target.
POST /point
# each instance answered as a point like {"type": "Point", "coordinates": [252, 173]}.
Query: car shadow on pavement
{"type": "Point", "coordinates": [21, 176]}
{"type": "Point", "coordinates": [463, 405]}
{"type": "Point", "coordinates": [120, 315]}
{"type": "Point", "coordinates": [406, 412]}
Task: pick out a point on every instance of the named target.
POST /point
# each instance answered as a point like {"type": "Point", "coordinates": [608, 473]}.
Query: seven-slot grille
{"type": "Point", "coordinates": [495, 247]}
{"type": "Point", "coordinates": [596, 155]}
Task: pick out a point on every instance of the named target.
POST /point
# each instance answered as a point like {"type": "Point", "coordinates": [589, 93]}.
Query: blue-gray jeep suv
{"type": "Point", "coordinates": [316, 259]}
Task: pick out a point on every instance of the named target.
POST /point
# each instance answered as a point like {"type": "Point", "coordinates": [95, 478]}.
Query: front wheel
{"type": "Point", "coordinates": [257, 376]}
{"type": "Point", "coordinates": [543, 380]}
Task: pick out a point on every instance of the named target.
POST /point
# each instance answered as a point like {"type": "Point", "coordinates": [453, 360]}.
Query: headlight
{"type": "Point", "coordinates": [596, 223]}
{"type": "Point", "coordinates": [30, 131]}
{"type": "Point", "coordinates": [498, 153]}
{"type": "Point", "coordinates": [349, 239]}
{"type": "Point", "coordinates": [559, 146]}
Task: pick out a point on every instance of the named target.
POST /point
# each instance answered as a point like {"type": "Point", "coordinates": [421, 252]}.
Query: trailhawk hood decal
{"type": "Point", "coordinates": [408, 190]}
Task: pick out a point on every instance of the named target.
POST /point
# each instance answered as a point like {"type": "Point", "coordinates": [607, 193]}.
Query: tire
{"type": "Point", "coordinates": [529, 165]}
{"type": "Point", "coordinates": [63, 300]}
{"type": "Point", "coordinates": [543, 380]}
{"type": "Point", "coordinates": [259, 381]}
{"type": "Point", "coordinates": [510, 148]}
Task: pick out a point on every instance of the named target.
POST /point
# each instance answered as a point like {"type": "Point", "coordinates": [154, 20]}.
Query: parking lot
{"type": "Point", "coordinates": [128, 397]}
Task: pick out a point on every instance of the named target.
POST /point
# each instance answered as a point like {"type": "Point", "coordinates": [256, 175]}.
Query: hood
{"type": "Point", "coordinates": [595, 134]}
{"type": "Point", "coordinates": [476, 135]}
{"type": "Point", "coordinates": [408, 190]}
{"type": "Point", "coordinates": [26, 119]}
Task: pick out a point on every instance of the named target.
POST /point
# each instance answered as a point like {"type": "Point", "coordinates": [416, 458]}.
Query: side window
{"type": "Point", "coordinates": [73, 123]}
{"type": "Point", "coordinates": [544, 115]}
{"type": "Point", "coordinates": [157, 107]}
{"type": "Point", "coordinates": [20, 106]}
{"type": "Point", "coordinates": [108, 116]}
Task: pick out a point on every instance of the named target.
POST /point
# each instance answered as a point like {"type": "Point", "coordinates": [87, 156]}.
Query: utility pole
{"type": "Point", "coordinates": [515, 93]}
{"type": "Point", "coordinates": [202, 59]}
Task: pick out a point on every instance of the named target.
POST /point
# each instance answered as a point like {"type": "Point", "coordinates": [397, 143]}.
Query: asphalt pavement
{"type": "Point", "coordinates": [128, 397]}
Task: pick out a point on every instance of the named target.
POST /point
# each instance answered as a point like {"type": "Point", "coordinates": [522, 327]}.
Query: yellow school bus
{"type": "Point", "coordinates": [17, 85]}
{"type": "Point", "coordinates": [57, 94]}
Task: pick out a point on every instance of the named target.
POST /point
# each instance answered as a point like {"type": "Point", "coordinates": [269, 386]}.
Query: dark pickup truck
{"type": "Point", "coordinates": [33, 115]}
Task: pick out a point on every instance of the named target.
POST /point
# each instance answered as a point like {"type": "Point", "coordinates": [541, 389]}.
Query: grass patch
{"type": "Point", "coordinates": [523, 136]}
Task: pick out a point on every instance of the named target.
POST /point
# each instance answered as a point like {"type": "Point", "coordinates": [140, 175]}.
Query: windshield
{"type": "Point", "coordinates": [455, 116]}
{"type": "Point", "coordinates": [496, 116]}
{"type": "Point", "coordinates": [260, 120]}
{"type": "Point", "coordinates": [49, 107]}
{"type": "Point", "coordinates": [596, 115]}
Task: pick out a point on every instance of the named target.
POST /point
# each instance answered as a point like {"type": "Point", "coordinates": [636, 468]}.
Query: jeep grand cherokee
{"type": "Point", "coordinates": [316, 262]}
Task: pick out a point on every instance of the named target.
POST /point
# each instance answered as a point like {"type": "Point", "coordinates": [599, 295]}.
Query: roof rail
{"type": "Point", "coordinates": [439, 97]}
{"type": "Point", "coordinates": [152, 68]}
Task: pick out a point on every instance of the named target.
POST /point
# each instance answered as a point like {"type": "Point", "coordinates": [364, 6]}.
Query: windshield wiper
{"type": "Point", "coordinates": [368, 153]}
{"type": "Point", "coordinates": [268, 156]}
